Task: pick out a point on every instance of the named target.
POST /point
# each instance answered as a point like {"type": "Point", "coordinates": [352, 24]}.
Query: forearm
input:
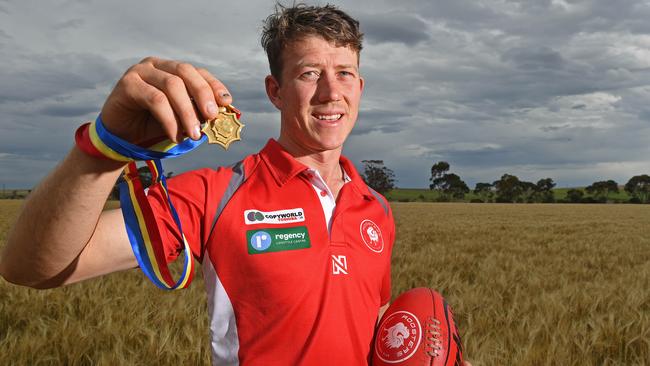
{"type": "Point", "coordinates": [58, 219]}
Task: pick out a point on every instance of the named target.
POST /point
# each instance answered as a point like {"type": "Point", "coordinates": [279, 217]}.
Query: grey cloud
{"type": "Point", "coordinates": [553, 151]}
{"type": "Point", "coordinates": [462, 12]}
{"type": "Point", "coordinates": [394, 27]}
{"type": "Point", "coordinates": [492, 86]}
{"type": "Point", "coordinates": [31, 171]}
{"type": "Point", "coordinates": [249, 95]}
{"type": "Point", "coordinates": [67, 110]}
{"type": "Point", "coordinates": [69, 24]}
{"type": "Point", "coordinates": [645, 115]}
{"type": "Point", "coordinates": [36, 76]}
{"type": "Point", "coordinates": [534, 59]}
{"type": "Point", "coordinates": [554, 128]}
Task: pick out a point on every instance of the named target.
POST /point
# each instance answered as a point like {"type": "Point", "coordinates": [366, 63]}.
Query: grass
{"type": "Point", "coordinates": [530, 285]}
{"type": "Point", "coordinates": [534, 284]}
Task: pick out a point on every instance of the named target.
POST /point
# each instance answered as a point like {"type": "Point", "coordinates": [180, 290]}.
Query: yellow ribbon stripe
{"type": "Point", "coordinates": [101, 146]}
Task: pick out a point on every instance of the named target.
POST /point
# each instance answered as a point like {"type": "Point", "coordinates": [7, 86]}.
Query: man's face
{"type": "Point", "coordinates": [319, 95]}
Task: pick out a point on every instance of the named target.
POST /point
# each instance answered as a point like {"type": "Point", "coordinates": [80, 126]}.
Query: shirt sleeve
{"type": "Point", "coordinates": [193, 195]}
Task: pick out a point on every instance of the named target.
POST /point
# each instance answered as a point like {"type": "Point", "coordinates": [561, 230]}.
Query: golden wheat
{"type": "Point", "coordinates": [530, 285]}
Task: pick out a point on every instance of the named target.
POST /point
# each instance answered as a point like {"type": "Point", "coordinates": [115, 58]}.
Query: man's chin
{"type": "Point", "coordinates": [329, 145]}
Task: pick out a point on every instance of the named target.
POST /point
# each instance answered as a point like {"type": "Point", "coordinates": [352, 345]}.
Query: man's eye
{"type": "Point", "coordinates": [310, 75]}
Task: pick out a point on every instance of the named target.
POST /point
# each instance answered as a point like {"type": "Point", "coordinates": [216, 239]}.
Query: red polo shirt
{"type": "Point", "coordinates": [282, 290]}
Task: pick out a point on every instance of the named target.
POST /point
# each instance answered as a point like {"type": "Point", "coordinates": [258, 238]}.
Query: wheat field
{"type": "Point", "coordinates": [529, 284]}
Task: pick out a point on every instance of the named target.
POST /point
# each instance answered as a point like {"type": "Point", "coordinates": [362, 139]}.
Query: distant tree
{"type": "Point", "coordinates": [544, 190]}
{"type": "Point", "coordinates": [528, 192]}
{"type": "Point", "coordinates": [574, 195]}
{"type": "Point", "coordinates": [508, 188]}
{"type": "Point", "coordinates": [377, 176]}
{"type": "Point", "coordinates": [451, 186]}
{"type": "Point", "coordinates": [484, 191]}
{"type": "Point", "coordinates": [639, 188]}
{"type": "Point", "coordinates": [602, 189]}
{"type": "Point", "coordinates": [438, 170]}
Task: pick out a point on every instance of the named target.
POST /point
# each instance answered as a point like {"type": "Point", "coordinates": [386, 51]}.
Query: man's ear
{"type": "Point", "coordinates": [273, 91]}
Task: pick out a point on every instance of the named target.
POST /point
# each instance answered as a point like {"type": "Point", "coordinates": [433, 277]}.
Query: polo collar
{"type": "Point", "coordinates": [284, 166]}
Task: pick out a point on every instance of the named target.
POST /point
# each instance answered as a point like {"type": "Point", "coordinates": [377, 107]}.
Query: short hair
{"type": "Point", "coordinates": [291, 24]}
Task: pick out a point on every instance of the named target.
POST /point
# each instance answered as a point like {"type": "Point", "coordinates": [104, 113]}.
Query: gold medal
{"type": "Point", "coordinates": [224, 129]}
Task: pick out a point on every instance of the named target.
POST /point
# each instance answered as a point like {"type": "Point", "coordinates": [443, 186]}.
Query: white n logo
{"type": "Point", "coordinates": [339, 264]}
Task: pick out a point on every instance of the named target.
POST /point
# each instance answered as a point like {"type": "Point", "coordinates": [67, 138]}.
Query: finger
{"type": "Point", "coordinates": [176, 92]}
{"type": "Point", "coordinates": [155, 102]}
{"type": "Point", "coordinates": [196, 85]}
{"type": "Point", "coordinates": [220, 91]}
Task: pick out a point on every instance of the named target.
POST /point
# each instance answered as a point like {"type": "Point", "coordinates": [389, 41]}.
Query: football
{"type": "Point", "coordinates": [418, 329]}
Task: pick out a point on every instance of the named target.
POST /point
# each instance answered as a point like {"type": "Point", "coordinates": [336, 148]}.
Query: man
{"type": "Point", "coordinates": [306, 291]}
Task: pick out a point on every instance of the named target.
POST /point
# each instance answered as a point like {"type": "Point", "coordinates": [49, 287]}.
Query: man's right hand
{"type": "Point", "coordinates": [154, 98]}
{"type": "Point", "coordinates": [75, 240]}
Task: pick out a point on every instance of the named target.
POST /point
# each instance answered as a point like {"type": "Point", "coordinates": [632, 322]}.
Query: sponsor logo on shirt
{"type": "Point", "coordinates": [398, 337]}
{"type": "Point", "coordinates": [277, 240]}
{"type": "Point", "coordinates": [339, 264]}
{"type": "Point", "coordinates": [252, 217]}
{"type": "Point", "coordinates": [371, 235]}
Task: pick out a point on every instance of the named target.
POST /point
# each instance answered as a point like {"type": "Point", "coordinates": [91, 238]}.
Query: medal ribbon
{"type": "Point", "coordinates": [142, 229]}
{"type": "Point", "coordinates": [115, 148]}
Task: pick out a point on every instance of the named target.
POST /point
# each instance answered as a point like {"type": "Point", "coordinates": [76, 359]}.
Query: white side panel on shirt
{"type": "Point", "coordinates": [223, 327]}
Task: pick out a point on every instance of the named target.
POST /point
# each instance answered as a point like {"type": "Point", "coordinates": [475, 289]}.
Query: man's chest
{"type": "Point", "coordinates": [274, 243]}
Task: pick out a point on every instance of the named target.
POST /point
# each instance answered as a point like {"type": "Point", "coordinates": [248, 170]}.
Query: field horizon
{"type": "Point", "coordinates": [407, 195]}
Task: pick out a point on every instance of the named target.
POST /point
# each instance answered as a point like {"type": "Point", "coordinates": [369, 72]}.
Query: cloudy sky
{"type": "Point", "coordinates": [535, 88]}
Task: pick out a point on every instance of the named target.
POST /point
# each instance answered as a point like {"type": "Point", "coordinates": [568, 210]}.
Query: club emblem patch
{"type": "Point", "coordinates": [371, 235]}
{"type": "Point", "coordinates": [398, 337]}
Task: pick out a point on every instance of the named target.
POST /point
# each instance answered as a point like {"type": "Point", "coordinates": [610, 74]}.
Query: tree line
{"type": "Point", "coordinates": [509, 188]}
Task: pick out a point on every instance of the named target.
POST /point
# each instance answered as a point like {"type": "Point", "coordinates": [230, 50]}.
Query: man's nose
{"type": "Point", "coordinates": [329, 89]}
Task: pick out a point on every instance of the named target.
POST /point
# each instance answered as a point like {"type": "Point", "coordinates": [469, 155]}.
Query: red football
{"type": "Point", "coordinates": [418, 329]}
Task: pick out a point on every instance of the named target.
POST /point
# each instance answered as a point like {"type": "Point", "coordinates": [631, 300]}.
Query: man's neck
{"type": "Point", "coordinates": [325, 162]}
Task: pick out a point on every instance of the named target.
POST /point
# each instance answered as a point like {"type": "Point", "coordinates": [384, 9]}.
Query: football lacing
{"type": "Point", "coordinates": [434, 343]}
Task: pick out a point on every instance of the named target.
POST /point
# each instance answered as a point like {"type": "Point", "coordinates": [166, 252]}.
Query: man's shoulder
{"type": "Point", "coordinates": [382, 200]}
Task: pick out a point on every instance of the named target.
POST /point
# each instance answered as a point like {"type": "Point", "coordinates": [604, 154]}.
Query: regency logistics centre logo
{"type": "Point", "coordinates": [269, 240]}
{"type": "Point", "coordinates": [288, 216]}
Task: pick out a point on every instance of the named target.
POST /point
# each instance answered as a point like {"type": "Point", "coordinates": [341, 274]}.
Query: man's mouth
{"type": "Point", "coordinates": [328, 117]}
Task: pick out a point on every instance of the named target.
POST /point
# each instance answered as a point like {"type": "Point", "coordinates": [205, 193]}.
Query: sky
{"type": "Point", "coordinates": [537, 88]}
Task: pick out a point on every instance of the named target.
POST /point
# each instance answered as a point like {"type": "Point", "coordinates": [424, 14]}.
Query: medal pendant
{"type": "Point", "coordinates": [224, 129]}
